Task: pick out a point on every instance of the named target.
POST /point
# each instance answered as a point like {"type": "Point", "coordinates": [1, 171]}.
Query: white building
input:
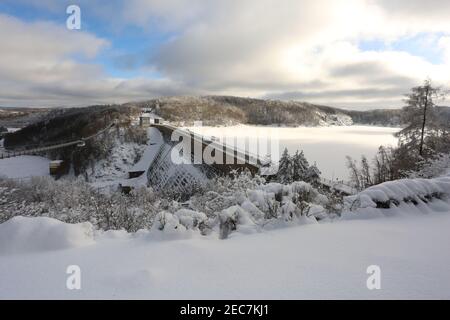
{"type": "Point", "coordinates": [147, 119]}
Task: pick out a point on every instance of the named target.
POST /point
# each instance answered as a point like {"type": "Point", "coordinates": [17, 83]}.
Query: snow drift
{"type": "Point", "coordinates": [23, 234]}
{"type": "Point", "coordinates": [325, 261]}
{"type": "Point", "coordinates": [394, 193]}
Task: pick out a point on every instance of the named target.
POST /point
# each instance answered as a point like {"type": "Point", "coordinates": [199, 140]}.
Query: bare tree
{"type": "Point", "coordinates": [419, 113]}
{"type": "Point", "coordinates": [355, 175]}
{"type": "Point", "coordinates": [366, 178]}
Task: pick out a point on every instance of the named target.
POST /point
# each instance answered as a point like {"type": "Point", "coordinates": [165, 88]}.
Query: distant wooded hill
{"type": "Point", "coordinates": [20, 117]}
{"type": "Point", "coordinates": [225, 110]}
{"type": "Point", "coordinates": [55, 125]}
{"type": "Point", "coordinates": [60, 124]}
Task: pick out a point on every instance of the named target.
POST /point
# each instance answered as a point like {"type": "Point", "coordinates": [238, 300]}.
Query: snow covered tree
{"type": "Point", "coordinates": [312, 174]}
{"type": "Point", "coordinates": [285, 168]}
{"type": "Point", "coordinates": [355, 174]}
{"type": "Point", "coordinates": [299, 166]}
{"type": "Point", "coordinates": [268, 159]}
{"type": "Point", "coordinates": [366, 178]}
{"type": "Point", "coordinates": [420, 115]}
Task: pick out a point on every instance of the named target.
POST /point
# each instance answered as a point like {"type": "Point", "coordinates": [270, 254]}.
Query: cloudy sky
{"type": "Point", "coordinates": [358, 54]}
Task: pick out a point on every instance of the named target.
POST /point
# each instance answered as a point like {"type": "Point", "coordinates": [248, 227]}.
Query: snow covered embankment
{"type": "Point", "coordinates": [392, 194]}
{"type": "Point", "coordinates": [251, 212]}
{"type": "Point", "coordinates": [24, 234]}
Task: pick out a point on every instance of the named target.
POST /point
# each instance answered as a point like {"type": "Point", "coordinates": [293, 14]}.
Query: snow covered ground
{"type": "Point", "coordinates": [114, 170]}
{"type": "Point", "coordinates": [306, 260]}
{"type": "Point", "coordinates": [328, 146]}
{"type": "Point", "coordinates": [326, 260]}
{"type": "Point", "coordinates": [117, 165]}
{"type": "Point", "coordinates": [24, 167]}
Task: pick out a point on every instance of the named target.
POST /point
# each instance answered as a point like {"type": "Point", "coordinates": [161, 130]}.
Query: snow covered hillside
{"type": "Point", "coordinates": [126, 157]}
{"type": "Point", "coordinates": [122, 157]}
{"type": "Point", "coordinates": [409, 242]}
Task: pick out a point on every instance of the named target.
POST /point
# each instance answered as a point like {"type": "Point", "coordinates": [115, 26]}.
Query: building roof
{"type": "Point", "coordinates": [268, 171]}
{"type": "Point", "coordinates": [150, 115]}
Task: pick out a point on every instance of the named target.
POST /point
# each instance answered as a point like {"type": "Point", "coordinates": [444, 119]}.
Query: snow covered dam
{"type": "Point", "coordinates": [174, 160]}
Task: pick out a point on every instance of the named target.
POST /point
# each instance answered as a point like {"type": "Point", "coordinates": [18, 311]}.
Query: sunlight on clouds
{"type": "Point", "coordinates": [359, 53]}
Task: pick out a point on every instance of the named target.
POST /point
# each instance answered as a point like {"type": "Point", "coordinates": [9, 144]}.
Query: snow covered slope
{"type": "Point", "coordinates": [22, 234]}
{"type": "Point", "coordinates": [326, 260]}
{"type": "Point", "coordinates": [24, 166]}
{"type": "Point", "coordinates": [114, 170]}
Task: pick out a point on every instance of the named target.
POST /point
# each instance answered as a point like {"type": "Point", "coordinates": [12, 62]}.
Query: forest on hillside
{"type": "Point", "coordinates": [226, 110]}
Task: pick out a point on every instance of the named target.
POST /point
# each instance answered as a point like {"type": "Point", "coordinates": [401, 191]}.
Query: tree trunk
{"type": "Point", "coordinates": [424, 121]}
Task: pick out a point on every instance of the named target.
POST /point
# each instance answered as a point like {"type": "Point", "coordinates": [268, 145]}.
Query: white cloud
{"type": "Point", "coordinates": [265, 48]}
{"type": "Point", "coordinates": [307, 49]}
{"type": "Point", "coordinates": [40, 66]}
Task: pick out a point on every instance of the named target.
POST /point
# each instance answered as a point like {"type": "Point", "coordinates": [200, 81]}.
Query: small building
{"type": "Point", "coordinates": [268, 172]}
{"type": "Point", "coordinates": [58, 167]}
{"type": "Point", "coordinates": [147, 119]}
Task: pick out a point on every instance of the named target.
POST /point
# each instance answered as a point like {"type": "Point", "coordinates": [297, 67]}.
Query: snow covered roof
{"type": "Point", "coordinates": [150, 115]}
{"type": "Point", "coordinates": [268, 171]}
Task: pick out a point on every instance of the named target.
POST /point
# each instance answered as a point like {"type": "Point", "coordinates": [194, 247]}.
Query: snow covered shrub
{"type": "Point", "coordinates": [264, 201]}
{"type": "Point", "coordinates": [230, 198]}
{"type": "Point", "coordinates": [240, 202]}
{"type": "Point", "coordinates": [165, 220]}
{"type": "Point", "coordinates": [234, 218]}
{"type": "Point", "coordinates": [75, 201]}
{"type": "Point", "coordinates": [299, 198]}
{"type": "Point", "coordinates": [131, 212]}
{"type": "Point", "coordinates": [224, 192]}
{"type": "Point", "coordinates": [433, 167]}
{"type": "Point", "coordinates": [135, 134]}
{"type": "Point", "coordinates": [190, 219]}
{"type": "Point", "coordinates": [257, 215]}
{"type": "Point", "coordinates": [188, 191]}
{"type": "Point", "coordinates": [335, 204]}
{"type": "Point", "coordinates": [168, 224]}
{"type": "Point", "coordinates": [68, 200]}
{"type": "Point", "coordinates": [393, 193]}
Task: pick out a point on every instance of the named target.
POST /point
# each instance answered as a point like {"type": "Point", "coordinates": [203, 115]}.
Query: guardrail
{"type": "Point", "coordinates": [237, 153]}
{"type": "Point", "coordinates": [60, 144]}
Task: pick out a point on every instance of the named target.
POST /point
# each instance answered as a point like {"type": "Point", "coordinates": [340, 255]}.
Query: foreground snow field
{"type": "Point", "coordinates": [325, 260]}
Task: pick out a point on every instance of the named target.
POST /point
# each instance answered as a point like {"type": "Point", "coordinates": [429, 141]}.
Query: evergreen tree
{"type": "Point", "coordinates": [312, 174]}
{"type": "Point", "coordinates": [299, 166]}
{"type": "Point", "coordinates": [285, 168]}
